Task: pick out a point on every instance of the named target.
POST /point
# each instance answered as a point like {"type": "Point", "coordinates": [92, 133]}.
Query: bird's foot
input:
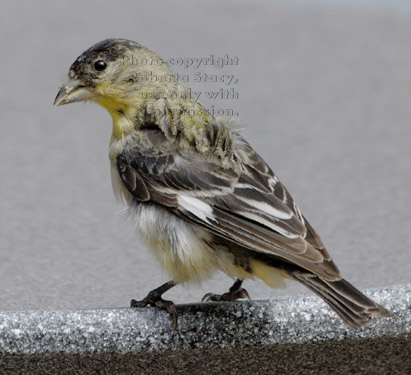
{"type": "Point", "coordinates": [234, 293]}
{"type": "Point", "coordinates": [154, 299]}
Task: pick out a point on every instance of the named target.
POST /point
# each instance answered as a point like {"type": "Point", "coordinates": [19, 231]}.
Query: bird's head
{"type": "Point", "coordinates": [116, 73]}
{"type": "Point", "coordinates": [137, 88]}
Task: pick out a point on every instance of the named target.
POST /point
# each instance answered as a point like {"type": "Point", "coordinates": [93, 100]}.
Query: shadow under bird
{"type": "Point", "coordinates": [202, 198]}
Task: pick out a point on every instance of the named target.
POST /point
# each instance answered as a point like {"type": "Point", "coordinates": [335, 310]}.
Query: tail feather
{"type": "Point", "coordinates": [354, 308]}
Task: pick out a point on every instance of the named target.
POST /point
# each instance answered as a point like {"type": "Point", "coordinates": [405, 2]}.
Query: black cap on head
{"type": "Point", "coordinates": [108, 50]}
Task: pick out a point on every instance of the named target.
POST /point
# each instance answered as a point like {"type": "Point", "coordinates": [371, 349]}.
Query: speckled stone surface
{"type": "Point", "coordinates": [209, 337]}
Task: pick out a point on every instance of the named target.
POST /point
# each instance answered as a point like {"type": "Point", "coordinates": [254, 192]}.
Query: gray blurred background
{"type": "Point", "coordinates": [324, 95]}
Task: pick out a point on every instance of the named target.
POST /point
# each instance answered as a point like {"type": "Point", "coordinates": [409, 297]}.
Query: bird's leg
{"type": "Point", "coordinates": [234, 293]}
{"type": "Point", "coordinates": [154, 299]}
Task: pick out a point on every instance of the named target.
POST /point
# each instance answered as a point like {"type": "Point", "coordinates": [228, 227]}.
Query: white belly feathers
{"type": "Point", "coordinates": [181, 249]}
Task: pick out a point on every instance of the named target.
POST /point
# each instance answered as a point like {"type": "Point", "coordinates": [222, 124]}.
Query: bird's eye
{"type": "Point", "coordinates": [100, 65]}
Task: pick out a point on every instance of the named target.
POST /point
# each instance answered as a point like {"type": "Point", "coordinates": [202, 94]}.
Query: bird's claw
{"type": "Point", "coordinates": [230, 296]}
{"type": "Point", "coordinates": [156, 301]}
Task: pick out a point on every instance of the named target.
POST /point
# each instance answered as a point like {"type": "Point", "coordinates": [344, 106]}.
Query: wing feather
{"type": "Point", "coordinates": [246, 204]}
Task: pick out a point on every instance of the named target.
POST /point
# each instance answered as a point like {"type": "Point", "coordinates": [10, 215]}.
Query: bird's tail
{"type": "Point", "coordinates": [355, 309]}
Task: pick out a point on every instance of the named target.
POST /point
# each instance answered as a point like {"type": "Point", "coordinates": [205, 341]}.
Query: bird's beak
{"type": "Point", "coordinates": [74, 90]}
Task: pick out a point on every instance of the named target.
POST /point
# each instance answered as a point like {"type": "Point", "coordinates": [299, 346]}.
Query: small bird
{"type": "Point", "coordinates": [201, 197]}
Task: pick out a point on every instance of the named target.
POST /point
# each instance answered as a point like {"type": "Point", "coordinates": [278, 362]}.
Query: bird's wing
{"type": "Point", "coordinates": [248, 206]}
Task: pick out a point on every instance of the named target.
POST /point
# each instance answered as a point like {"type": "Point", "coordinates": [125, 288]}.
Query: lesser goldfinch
{"type": "Point", "coordinates": [202, 198]}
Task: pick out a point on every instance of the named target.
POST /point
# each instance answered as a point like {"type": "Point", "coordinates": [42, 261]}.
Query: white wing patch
{"type": "Point", "coordinates": [269, 210]}
{"type": "Point", "coordinates": [269, 224]}
{"type": "Point", "coordinates": [196, 206]}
